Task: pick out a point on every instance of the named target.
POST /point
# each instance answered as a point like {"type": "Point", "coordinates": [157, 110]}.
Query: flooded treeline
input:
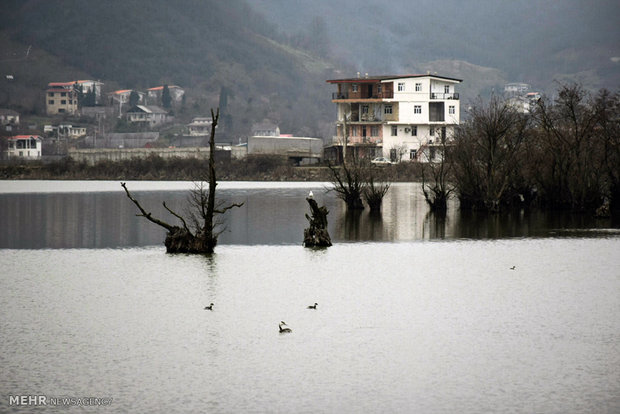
{"type": "Point", "coordinates": [564, 154]}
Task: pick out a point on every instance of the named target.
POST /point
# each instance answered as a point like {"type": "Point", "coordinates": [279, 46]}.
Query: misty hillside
{"type": "Point", "coordinates": [203, 46]}
{"type": "Point", "coordinates": [272, 57]}
{"type": "Point", "coordinates": [532, 41]}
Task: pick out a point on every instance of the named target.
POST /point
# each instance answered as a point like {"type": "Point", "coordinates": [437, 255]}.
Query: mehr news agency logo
{"type": "Point", "coordinates": [44, 400]}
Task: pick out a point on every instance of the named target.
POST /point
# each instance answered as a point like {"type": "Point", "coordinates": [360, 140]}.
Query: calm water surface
{"type": "Point", "coordinates": [415, 314]}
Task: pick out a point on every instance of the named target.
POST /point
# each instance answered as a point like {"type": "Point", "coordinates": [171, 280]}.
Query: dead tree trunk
{"type": "Point", "coordinates": [204, 238]}
{"type": "Point", "coordinates": [317, 235]}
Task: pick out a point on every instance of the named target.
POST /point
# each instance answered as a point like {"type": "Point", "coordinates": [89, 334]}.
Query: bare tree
{"type": "Point", "coordinates": [202, 238]}
{"type": "Point", "coordinates": [436, 185]}
{"type": "Point", "coordinates": [374, 191]}
{"type": "Point", "coordinates": [570, 160]}
{"type": "Point", "coordinates": [486, 154]}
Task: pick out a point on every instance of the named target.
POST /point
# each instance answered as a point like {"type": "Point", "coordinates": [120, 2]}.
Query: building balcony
{"type": "Point", "coordinates": [361, 96]}
{"type": "Point", "coordinates": [441, 95]}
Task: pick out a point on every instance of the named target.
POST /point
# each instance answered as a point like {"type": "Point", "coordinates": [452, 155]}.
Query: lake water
{"type": "Point", "coordinates": [416, 313]}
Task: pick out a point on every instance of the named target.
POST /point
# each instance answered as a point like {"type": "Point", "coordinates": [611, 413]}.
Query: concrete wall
{"type": "Point", "coordinates": [92, 156]}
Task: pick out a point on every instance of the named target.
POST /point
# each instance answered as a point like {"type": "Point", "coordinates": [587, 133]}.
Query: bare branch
{"type": "Point", "coordinates": [146, 214]}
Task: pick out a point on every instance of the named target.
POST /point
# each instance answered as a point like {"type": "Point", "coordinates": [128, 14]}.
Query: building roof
{"type": "Point", "coordinates": [56, 84]}
{"type": "Point", "coordinates": [149, 109]}
{"type": "Point", "coordinates": [375, 79]}
{"type": "Point", "coordinates": [157, 88]}
{"type": "Point", "coordinates": [4, 111]}
{"type": "Point", "coordinates": [118, 92]}
{"type": "Point", "coordinates": [17, 137]}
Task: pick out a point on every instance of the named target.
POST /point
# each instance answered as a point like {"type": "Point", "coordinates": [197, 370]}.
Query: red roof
{"type": "Point", "coordinates": [161, 87]}
{"type": "Point", "coordinates": [16, 137]}
{"type": "Point", "coordinates": [52, 84]}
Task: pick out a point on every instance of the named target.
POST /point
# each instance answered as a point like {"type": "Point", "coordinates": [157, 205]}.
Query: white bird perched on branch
{"type": "Point", "coordinates": [310, 195]}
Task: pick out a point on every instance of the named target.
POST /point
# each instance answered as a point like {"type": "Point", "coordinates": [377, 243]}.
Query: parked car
{"type": "Point", "coordinates": [381, 160]}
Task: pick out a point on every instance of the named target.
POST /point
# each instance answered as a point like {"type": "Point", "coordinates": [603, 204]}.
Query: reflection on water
{"type": "Point", "coordinates": [270, 215]}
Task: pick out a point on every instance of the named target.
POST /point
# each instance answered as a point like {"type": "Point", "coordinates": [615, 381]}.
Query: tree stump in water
{"type": "Point", "coordinates": [317, 235]}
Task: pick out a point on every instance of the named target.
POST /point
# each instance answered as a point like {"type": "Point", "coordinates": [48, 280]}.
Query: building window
{"type": "Point", "coordinates": [394, 130]}
{"type": "Point", "coordinates": [51, 102]}
{"type": "Point", "coordinates": [387, 109]}
{"type": "Point", "coordinates": [354, 87]}
{"type": "Point", "coordinates": [374, 131]}
{"type": "Point", "coordinates": [418, 87]}
{"type": "Point", "coordinates": [354, 131]}
{"type": "Point", "coordinates": [446, 88]}
{"type": "Point", "coordinates": [414, 130]}
{"type": "Point", "coordinates": [417, 109]}
{"type": "Point", "coordinates": [379, 88]}
{"type": "Point", "coordinates": [63, 102]}
{"type": "Point", "coordinates": [412, 154]}
{"type": "Point", "coordinates": [51, 94]}
{"type": "Point", "coordinates": [63, 93]}
{"type": "Point", "coordinates": [70, 101]}
{"type": "Point", "coordinates": [431, 132]}
{"type": "Point", "coordinates": [401, 86]}
{"type": "Point", "coordinates": [451, 109]}
{"type": "Point", "coordinates": [61, 110]}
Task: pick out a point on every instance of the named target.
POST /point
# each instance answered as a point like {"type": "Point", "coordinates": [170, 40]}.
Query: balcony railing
{"type": "Point", "coordinates": [441, 95]}
{"type": "Point", "coordinates": [379, 95]}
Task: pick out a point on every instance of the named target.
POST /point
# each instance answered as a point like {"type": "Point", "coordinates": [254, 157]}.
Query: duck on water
{"type": "Point", "coordinates": [284, 328]}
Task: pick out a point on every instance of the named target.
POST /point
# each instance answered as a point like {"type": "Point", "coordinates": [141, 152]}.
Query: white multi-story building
{"type": "Point", "coordinates": [399, 117]}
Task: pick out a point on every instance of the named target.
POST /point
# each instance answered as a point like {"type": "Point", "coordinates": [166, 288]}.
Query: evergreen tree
{"type": "Point", "coordinates": [134, 99]}
{"type": "Point", "coordinates": [166, 99]}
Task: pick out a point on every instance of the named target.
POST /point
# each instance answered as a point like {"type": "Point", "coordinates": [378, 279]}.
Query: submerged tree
{"type": "Point", "coordinates": [570, 163]}
{"type": "Point", "coordinates": [202, 237]}
{"type": "Point", "coordinates": [374, 191]}
{"type": "Point", "coordinates": [348, 183]}
{"type": "Point", "coordinates": [316, 235]}
{"type": "Point", "coordinates": [486, 155]}
{"type": "Point", "coordinates": [436, 185]}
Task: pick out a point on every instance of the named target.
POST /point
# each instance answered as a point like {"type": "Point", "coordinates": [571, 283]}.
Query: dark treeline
{"type": "Point", "coordinates": [565, 154]}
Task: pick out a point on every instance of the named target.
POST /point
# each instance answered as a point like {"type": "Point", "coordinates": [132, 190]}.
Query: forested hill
{"type": "Point", "coordinates": [201, 45]}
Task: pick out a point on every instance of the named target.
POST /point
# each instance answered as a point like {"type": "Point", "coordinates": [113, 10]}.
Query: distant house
{"type": "Point", "coordinates": [24, 147]}
{"type": "Point", "coordinates": [61, 99]}
{"type": "Point", "coordinates": [65, 131]}
{"type": "Point", "coordinates": [148, 116]}
{"type": "Point", "coordinates": [120, 98]}
{"type": "Point", "coordinates": [8, 119]}
{"type": "Point", "coordinates": [80, 86]}
{"type": "Point", "coordinates": [265, 128]}
{"type": "Point", "coordinates": [200, 126]}
{"type": "Point", "coordinates": [154, 94]}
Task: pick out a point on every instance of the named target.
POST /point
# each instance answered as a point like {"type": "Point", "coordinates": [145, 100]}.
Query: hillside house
{"type": "Point", "coordinates": [120, 98]}
{"type": "Point", "coordinates": [154, 94]}
{"type": "Point", "coordinates": [398, 117]}
{"type": "Point", "coordinates": [65, 131]}
{"type": "Point", "coordinates": [26, 147]}
{"type": "Point", "coordinates": [148, 116]}
{"type": "Point", "coordinates": [200, 126]}
{"type": "Point", "coordinates": [9, 119]}
{"type": "Point", "coordinates": [61, 98]}
{"type": "Point", "coordinates": [265, 128]}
